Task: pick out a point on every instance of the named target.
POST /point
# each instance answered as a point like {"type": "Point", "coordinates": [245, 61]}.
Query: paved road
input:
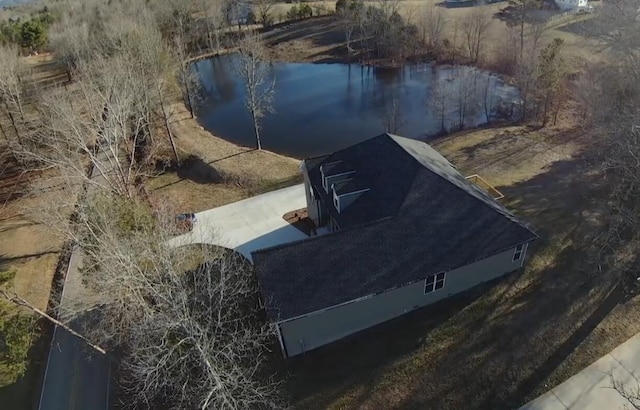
{"type": "Point", "coordinates": [591, 389]}
{"type": "Point", "coordinates": [76, 376]}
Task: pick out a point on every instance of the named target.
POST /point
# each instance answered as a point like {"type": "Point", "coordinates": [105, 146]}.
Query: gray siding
{"type": "Point", "coordinates": [347, 199]}
{"type": "Point", "coordinates": [312, 206]}
{"type": "Point", "coordinates": [317, 329]}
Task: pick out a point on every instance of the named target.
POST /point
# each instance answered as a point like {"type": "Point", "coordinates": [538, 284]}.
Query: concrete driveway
{"type": "Point", "coordinates": [251, 224]}
{"type": "Point", "coordinates": [592, 388]}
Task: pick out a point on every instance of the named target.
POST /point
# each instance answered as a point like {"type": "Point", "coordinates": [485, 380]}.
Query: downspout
{"type": "Point", "coordinates": [283, 349]}
{"type": "Point", "coordinates": [524, 254]}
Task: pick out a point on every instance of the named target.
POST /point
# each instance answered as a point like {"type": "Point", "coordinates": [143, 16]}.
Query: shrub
{"type": "Point", "coordinates": [16, 336]}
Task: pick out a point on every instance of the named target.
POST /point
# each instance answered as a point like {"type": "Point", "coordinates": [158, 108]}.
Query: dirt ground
{"type": "Point", "coordinates": [216, 172]}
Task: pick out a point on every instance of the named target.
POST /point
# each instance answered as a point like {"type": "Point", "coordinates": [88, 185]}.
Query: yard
{"type": "Point", "coordinates": [508, 341]}
{"type": "Point", "coordinates": [216, 172]}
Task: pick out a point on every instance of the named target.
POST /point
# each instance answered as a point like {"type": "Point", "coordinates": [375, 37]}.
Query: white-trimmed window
{"type": "Point", "coordinates": [517, 255]}
{"type": "Point", "coordinates": [434, 282]}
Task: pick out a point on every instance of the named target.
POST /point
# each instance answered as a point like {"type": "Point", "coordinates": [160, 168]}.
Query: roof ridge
{"type": "Point", "coordinates": [474, 191]}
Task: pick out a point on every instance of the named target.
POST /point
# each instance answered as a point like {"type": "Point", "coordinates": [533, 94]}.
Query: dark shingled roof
{"type": "Point", "coordinates": [419, 217]}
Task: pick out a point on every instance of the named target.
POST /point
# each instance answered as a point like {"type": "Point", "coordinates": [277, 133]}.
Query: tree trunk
{"type": "Point", "coordinates": [13, 122]}
{"type": "Point", "coordinates": [522, 31]}
{"type": "Point", "coordinates": [4, 134]}
{"type": "Point", "coordinates": [167, 127]}
{"type": "Point", "coordinates": [188, 92]}
{"type": "Point", "coordinates": [257, 130]}
{"type": "Point", "coordinates": [555, 114]}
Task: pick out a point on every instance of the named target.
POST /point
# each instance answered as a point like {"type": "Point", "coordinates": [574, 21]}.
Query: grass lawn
{"type": "Point", "coordinates": [508, 341]}
{"type": "Point", "coordinates": [216, 172]}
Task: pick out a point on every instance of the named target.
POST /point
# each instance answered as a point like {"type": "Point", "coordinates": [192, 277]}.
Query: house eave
{"type": "Point", "coordinates": [369, 296]}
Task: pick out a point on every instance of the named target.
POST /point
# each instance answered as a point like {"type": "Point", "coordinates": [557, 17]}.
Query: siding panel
{"type": "Point", "coordinates": [315, 330]}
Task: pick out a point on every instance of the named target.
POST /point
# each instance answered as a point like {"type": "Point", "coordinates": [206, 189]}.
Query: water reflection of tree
{"type": "Point", "coordinates": [394, 118]}
{"type": "Point", "coordinates": [439, 101]}
{"type": "Point", "coordinates": [222, 80]}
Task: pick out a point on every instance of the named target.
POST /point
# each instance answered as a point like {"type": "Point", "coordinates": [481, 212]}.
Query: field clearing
{"type": "Point", "coordinates": [322, 39]}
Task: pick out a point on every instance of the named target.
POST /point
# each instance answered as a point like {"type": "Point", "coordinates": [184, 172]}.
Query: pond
{"type": "Point", "coordinates": [320, 108]}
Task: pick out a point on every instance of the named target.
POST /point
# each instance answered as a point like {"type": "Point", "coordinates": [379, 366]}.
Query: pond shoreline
{"type": "Point", "coordinates": [321, 108]}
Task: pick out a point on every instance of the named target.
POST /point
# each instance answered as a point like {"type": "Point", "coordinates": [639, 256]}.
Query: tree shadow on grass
{"type": "Point", "coordinates": [194, 169]}
{"type": "Point", "coordinates": [548, 313]}
{"type": "Point", "coordinates": [5, 260]}
{"type": "Point", "coordinates": [199, 171]}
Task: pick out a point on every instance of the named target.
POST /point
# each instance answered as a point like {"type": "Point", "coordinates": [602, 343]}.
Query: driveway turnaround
{"type": "Point", "coordinates": [251, 224]}
{"type": "Point", "coordinates": [592, 388]}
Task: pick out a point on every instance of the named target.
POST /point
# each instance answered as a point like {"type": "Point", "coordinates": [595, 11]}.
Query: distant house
{"type": "Point", "coordinates": [407, 230]}
{"type": "Point", "coordinates": [572, 4]}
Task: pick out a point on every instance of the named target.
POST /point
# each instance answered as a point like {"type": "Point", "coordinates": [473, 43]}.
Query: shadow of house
{"type": "Point", "coordinates": [327, 373]}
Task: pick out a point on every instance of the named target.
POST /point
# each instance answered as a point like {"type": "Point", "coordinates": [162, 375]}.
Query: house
{"type": "Point", "coordinates": [407, 230]}
{"type": "Point", "coordinates": [568, 5]}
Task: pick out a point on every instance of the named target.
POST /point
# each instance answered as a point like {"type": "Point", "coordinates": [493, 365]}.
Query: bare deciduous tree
{"type": "Point", "coordinates": [488, 97]}
{"type": "Point", "coordinates": [11, 88]}
{"type": "Point", "coordinates": [432, 27]}
{"type": "Point", "coordinates": [252, 68]}
{"type": "Point", "coordinates": [525, 77]}
{"type": "Point", "coordinates": [522, 7]}
{"type": "Point", "coordinates": [474, 30]}
{"type": "Point", "coordinates": [439, 101]}
{"type": "Point", "coordinates": [263, 10]}
{"type": "Point", "coordinates": [349, 13]}
{"type": "Point", "coordinates": [186, 317]}
{"type": "Point", "coordinates": [552, 71]}
{"type": "Point", "coordinates": [99, 123]}
{"type": "Point", "coordinates": [535, 32]}
{"type": "Point", "coordinates": [465, 88]}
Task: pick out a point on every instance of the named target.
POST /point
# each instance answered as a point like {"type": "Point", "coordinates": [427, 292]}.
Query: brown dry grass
{"type": "Point", "coordinates": [217, 172]}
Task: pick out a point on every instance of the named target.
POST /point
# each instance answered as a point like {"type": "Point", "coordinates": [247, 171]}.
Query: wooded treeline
{"type": "Point", "coordinates": [183, 321]}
